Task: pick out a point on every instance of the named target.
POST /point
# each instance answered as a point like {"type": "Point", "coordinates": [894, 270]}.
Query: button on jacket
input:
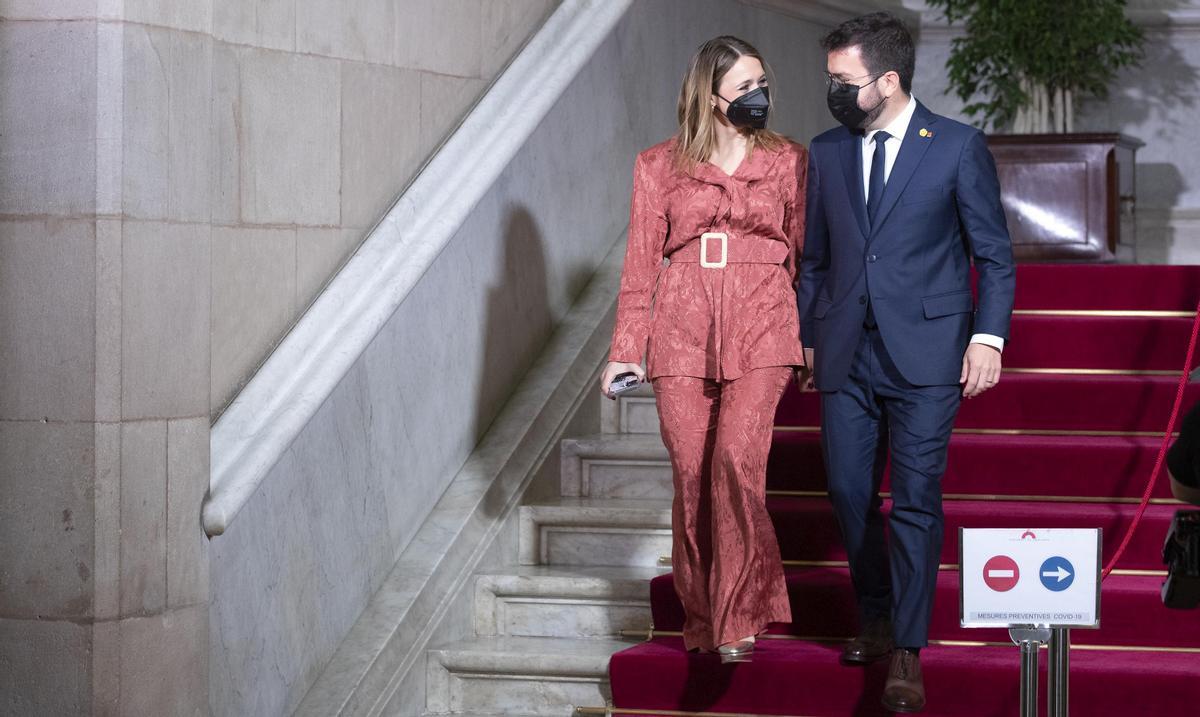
{"type": "Point", "coordinates": [703, 322]}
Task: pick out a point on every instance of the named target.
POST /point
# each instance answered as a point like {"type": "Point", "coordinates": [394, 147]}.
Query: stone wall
{"type": "Point", "coordinates": [178, 179]}
{"type": "Point", "coordinates": [104, 369]}
{"type": "Point", "coordinates": [322, 111]}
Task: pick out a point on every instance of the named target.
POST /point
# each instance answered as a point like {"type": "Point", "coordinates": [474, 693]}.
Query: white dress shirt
{"type": "Point", "coordinates": [897, 129]}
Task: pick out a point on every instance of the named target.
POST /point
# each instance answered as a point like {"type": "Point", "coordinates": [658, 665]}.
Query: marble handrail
{"type": "Point", "coordinates": [282, 397]}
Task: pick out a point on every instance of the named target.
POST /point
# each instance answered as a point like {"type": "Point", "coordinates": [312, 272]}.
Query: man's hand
{"type": "Point", "coordinates": [804, 374]}
{"type": "Point", "coordinates": [980, 369]}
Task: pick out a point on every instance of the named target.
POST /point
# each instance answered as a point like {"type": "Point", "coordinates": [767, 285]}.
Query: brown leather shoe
{"type": "Point", "coordinates": [905, 687]}
{"type": "Point", "coordinates": [872, 645]}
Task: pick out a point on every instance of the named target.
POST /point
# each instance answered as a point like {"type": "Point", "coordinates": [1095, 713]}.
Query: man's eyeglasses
{"type": "Point", "coordinates": [831, 81]}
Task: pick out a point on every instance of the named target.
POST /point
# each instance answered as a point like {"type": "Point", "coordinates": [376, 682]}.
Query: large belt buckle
{"type": "Point", "coordinates": [704, 262]}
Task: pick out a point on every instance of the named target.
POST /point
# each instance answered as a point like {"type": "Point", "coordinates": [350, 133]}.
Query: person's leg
{"type": "Point", "coordinates": [920, 421]}
{"type": "Point", "coordinates": [852, 440]}
{"type": "Point", "coordinates": [687, 415]}
{"type": "Point", "coordinates": [746, 586]}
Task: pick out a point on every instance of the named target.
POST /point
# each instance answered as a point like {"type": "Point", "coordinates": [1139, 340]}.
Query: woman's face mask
{"type": "Point", "coordinates": [750, 110]}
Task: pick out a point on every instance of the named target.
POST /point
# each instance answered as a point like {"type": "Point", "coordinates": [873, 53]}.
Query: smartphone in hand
{"type": "Point", "coordinates": [623, 383]}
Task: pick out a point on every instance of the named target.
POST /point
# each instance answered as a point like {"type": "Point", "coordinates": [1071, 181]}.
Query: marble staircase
{"type": "Point", "coordinates": [578, 589]}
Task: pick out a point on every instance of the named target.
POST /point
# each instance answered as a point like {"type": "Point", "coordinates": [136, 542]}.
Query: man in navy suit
{"type": "Point", "coordinates": [899, 202]}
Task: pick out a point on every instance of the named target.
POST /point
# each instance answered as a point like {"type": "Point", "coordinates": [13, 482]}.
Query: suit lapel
{"type": "Point", "coordinates": [851, 151]}
{"type": "Point", "coordinates": [912, 151]}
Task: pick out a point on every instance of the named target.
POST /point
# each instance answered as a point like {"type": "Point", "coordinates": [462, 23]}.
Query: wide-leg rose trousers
{"type": "Point", "coordinates": [724, 555]}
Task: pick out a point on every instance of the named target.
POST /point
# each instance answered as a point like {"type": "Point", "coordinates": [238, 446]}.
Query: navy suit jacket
{"type": "Point", "coordinates": [941, 208]}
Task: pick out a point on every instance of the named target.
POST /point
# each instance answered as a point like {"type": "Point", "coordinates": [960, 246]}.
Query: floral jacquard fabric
{"type": "Point", "coordinates": [724, 554]}
{"type": "Point", "coordinates": [704, 322]}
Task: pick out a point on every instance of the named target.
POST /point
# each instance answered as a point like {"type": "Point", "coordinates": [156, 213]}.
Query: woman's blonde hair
{"type": "Point", "coordinates": [697, 138]}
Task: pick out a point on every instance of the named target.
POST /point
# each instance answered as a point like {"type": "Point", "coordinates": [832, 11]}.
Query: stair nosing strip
{"type": "Point", "coordinates": [938, 643]}
{"type": "Point", "coordinates": [942, 567]}
{"type": "Point", "coordinates": [1012, 432]}
{"type": "Point", "coordinates": [614, 711]}
{"type": "Point", "coordinates": [1109, 313]}
{"type": "Point", "coordinates": [1091, 371]}
{"type": "Point", "coordinates": [998, 497]}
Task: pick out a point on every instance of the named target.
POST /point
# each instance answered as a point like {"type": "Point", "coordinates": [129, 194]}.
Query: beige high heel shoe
{"type": "Point", "coordinates": [737, 651]}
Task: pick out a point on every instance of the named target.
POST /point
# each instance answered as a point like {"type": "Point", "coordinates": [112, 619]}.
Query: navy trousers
{"type": "Point", "coordinates": [894, 574]}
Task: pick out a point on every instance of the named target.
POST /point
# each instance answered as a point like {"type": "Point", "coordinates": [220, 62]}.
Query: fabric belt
{"type": "Point", "coordinates": [735, 250]}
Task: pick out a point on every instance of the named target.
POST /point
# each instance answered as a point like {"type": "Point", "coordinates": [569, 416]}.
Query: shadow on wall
{"type": "Point", "coordinates": [1164, 86]}
{"type": "Point", "coordinates": [518, 322]}
{"type": "Point", "coordinates": [1159, 187]}
{"type": "Point", "coordinates": [1154, 103]}
{"type": "Point", "coordinates": [517, 308]}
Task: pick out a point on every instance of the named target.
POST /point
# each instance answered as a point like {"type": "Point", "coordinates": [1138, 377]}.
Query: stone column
{"type": "Point", "coordinates": [104, 356]}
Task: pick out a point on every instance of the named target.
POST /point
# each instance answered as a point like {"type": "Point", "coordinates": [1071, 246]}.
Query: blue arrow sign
{"type": "Point", "coordinates": [1057, 574]}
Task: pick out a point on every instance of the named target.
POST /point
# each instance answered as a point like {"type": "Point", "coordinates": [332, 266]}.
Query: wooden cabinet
{"type": "Point", "coordinates": [1068, 197]}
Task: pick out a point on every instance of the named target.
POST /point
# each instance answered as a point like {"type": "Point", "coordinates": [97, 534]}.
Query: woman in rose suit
{"type": "Point", "coordinates": [723, 202]}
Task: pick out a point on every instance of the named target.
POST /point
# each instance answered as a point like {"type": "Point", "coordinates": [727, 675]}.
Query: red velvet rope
{"type": "Point", "coordinates": [1162, 451]}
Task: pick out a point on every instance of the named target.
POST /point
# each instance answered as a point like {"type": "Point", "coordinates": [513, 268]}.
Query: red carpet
{"type": "Point", "coordinates": [808, 531]}
{"type": "Point", "coordinates": [1099, 342]}
{"type": "Point", "coordinates": [1114, 466]}
{"type": "Point", "coordinates": [1041, 450]}
{"type": "Point", "coordinates": [793, 677]}
{"type": "Point", "coordinates": [822, 598]}
{"type": "Point", "coordinates": [1038, 402]}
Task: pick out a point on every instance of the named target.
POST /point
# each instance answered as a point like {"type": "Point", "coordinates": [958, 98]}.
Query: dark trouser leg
{"type": "Point", "coordinates": [852, 438]}
{"type": "Point", "coordinates": [920, 420]}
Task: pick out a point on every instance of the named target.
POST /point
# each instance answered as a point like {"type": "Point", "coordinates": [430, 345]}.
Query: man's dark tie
{"type": "Point", "coordinates": [875, 197]}
{"type": "Point", "coordinates": [875, 187]}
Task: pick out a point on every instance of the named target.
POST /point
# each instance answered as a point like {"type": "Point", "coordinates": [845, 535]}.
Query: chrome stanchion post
{"type": "Point", "coordinates": [1029, 678]}
{"type": "Point", "coordinates": [1030, 639]}
{"type": "Point", "coordinates": [1058, 682]}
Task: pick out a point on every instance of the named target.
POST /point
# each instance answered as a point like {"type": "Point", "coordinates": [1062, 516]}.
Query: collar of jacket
{"type": "Point", "coordinates": [752, 168]}
{"type": "Point", "coordinates": [912, 151]}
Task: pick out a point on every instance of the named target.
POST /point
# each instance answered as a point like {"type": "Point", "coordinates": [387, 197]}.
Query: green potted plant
{"type": "Point", "coordinates": [1023, 64]}
{"type": "Point", "coordinates": [1020, 67]}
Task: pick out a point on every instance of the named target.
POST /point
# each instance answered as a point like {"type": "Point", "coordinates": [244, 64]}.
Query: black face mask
{"type": "Point", "coordinates": [750, 110]}
{"type": "Point", "coordinates": [843, 105]}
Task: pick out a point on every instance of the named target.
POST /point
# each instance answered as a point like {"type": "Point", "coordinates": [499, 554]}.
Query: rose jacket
{"type": "Point", "coordinates": [712, 321]}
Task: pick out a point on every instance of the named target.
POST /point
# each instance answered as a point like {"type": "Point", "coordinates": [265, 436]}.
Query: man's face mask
{"type": "Point", "coordinates": [843, 103]}
{"type": "Point", "coordinates": [750, 110]}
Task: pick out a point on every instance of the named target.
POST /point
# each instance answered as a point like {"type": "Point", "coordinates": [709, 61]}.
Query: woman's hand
{"type": "Point", "coordinates": [616, 368]}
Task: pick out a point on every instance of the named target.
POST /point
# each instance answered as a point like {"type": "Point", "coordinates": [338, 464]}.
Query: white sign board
{"type": "Point", "coordinates": [1029, 578]}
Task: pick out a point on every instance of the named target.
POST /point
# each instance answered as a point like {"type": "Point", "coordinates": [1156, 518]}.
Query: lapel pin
{"type": "Point", "coordinates": [925, 133]}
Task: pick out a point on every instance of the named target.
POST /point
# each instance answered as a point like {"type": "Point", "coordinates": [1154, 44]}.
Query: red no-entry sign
{"type": "Point", "coordinates": [1001, 573]}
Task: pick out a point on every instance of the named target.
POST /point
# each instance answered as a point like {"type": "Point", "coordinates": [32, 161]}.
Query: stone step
{"type": "Point", "coordinates": [569, 602]}
{"type": "Point", "coordinates": [616, 466]}
{"type": "Point", "coordinates": [593, 532]}
{"type": "Point", "coordinates": [633, 412]}
{"type": "Point", "coordinates": [519, 675]}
